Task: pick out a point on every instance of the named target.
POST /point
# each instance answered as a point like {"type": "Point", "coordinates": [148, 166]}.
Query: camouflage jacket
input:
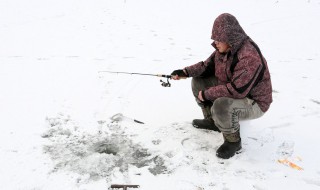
{"type": "Point", "coordinates": [241, 72]}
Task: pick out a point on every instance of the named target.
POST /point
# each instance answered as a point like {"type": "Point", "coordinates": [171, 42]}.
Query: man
{"type": "Point", "coordinates": [233, 84]}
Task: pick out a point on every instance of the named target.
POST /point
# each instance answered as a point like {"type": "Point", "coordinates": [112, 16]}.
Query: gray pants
{"type": "Point", "coordinates": [226, 112]}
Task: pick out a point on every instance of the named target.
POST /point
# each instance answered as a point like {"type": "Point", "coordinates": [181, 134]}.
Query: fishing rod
{"type": "Point", "coordinates": [163, 83]}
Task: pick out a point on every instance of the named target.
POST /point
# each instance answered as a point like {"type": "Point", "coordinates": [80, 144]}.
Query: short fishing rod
{"type": "Point", "coordinates": [163, 83]}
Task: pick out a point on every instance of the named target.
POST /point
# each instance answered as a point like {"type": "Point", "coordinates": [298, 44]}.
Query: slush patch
{"type": "Point", "coordinates": [96, 155]}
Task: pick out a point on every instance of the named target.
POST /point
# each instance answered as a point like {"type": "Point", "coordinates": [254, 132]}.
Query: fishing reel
{"type": "Point", "coordinates": [164, 83]}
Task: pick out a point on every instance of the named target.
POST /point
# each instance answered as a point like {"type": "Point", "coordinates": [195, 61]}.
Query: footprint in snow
{"type": "Point", "coordinates": [286, 149]}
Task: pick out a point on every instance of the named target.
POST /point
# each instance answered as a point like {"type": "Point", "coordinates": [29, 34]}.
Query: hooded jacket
{"type": "Point", "coordinates": [241, 72]}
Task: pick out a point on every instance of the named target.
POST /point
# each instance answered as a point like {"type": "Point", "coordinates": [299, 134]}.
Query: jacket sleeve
{"type": "Point", "coordinates": [243, 79]}
{"type": "Point", "coordinates": [202, 68]}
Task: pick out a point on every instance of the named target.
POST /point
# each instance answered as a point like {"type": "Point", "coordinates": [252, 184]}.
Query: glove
{"type": "Point", "coordinates": [179, 72]}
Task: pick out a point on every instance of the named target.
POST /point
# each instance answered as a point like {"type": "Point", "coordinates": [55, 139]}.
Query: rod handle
{"type": "Point", "coordinates": [179, 77]}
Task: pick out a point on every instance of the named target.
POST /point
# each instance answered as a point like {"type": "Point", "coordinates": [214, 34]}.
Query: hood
{"type": "Point", "coordinates": [227, 29]}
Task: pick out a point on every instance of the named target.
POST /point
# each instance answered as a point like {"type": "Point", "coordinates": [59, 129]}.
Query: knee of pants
{"type": "Point", "coordinates": [221, 108]}
{"type": "Point", "coordinates": [201, 83]}
{"type": "Point", "coordinates": [196, 85]}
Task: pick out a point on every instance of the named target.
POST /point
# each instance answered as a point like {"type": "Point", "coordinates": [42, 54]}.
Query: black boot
{"type": "Point", "coordinates": [231, 145]}
{"type": "Point", "coordinates": [207, 122]}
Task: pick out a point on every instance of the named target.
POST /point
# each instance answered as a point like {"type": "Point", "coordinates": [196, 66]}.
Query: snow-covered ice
{"type": "Point", "coordinates": [56, 106]}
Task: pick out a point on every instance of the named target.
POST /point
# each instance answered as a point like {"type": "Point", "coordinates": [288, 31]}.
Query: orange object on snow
{"type": "Point", "coordinates": [289, 163]}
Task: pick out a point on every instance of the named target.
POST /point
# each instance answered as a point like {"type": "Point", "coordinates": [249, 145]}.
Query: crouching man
{"type": "Point", "coordinates": [233, 84]}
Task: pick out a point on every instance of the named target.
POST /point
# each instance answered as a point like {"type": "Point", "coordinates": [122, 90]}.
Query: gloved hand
{"type": "Point", "coordinates": [177, 74]}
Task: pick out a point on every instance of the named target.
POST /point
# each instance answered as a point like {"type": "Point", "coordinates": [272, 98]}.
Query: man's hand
{"type": "Point", "coordinates": [200, 97]}
{"type": "Point", "coordinates": [179, 74]}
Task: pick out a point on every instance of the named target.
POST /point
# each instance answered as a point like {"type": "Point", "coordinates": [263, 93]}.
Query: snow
{"type": "Point", "coordinates": [56, 106]}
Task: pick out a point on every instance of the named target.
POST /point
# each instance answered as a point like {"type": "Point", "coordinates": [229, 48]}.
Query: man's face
{"type": "Point", "coordinates": [222, 47]}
